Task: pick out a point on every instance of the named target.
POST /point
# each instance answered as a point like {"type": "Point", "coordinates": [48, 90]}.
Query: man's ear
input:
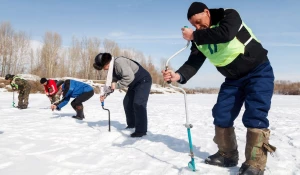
{"type": "Point", "coordinates": [207, 12]}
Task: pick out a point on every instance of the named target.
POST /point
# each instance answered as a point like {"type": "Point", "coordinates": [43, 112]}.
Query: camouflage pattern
{"type": "Point", "coordinates": [257, 147]}
{"type": "Point", "coordinates": [56, 97]}
{"type": "Point", "coordinates": [23, 87]}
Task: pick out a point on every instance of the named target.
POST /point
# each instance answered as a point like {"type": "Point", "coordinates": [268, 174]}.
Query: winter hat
{"type": "Point", "coordinates": [101, 60]}
{"type": "Point", "coordinates": [59, 83]}
{"type": "Point", "coordinates": [43, 80]}
{"type": "Point", "coordinates": [8, 76]}
{"type": "Point", "coordinates": [195, 8]}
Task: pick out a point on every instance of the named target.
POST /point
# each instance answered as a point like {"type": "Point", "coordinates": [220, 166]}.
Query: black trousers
{"type": "Point", "coordinates": [135, 104]}
{"type": "Point", "coordinates": [81, 98]}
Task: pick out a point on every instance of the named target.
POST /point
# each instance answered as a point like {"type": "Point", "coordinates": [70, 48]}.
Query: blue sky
{"type": "Point", "coordinates": [153, 27]}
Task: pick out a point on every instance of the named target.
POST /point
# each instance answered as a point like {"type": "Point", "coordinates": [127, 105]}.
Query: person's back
{"type": "Point", "coordinates": [19, 83]}
{"type": "Point", "coordinates": [124, 71]}
{"type": "Point", "coordinates": [75, 88]}
{"type": "Point", "coordinates": [51, 86]}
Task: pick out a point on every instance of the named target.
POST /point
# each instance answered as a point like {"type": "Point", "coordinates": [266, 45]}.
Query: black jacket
{"type": "Point", "coordinates": [229, 23]}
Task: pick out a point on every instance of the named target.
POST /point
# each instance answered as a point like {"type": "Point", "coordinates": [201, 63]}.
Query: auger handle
{"type": "Point", "coordinates": [167, 62]}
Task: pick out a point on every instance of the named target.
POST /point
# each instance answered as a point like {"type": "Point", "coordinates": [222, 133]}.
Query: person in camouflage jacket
{"type": "Point", "coordinates": [21, 85]}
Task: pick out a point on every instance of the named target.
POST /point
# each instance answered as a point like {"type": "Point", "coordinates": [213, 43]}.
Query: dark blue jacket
{"type": "Point", "coordinates": [72, 89]}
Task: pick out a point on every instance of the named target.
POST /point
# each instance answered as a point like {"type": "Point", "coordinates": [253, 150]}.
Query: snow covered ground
{"type": "Point", "coordinates": [37, 141]}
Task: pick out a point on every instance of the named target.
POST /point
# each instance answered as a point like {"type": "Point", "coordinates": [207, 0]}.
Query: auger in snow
{"type": "Point", "coordinates": [191, 164]}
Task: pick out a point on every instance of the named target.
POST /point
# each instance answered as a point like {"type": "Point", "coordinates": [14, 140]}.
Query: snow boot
{"type": "Point", "coordinates": [227, 155]}
{"type": "Point", "coordinates": [138, 134]}
{"type": "Point", "coordinates": [79, 111]}
{"type": "Point", "coordinates": [21, 106]}
{"type": "Point", "coordinates": [257, 148]}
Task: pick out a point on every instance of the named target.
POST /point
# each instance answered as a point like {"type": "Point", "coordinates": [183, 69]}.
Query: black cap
{"type": "Point", "coordinates": [195, 8]}
{"type": "Point", "coordinates": [43, 80]}
{"type": "Point", "coordinates": [8, 76]}
{"type": "Point", "coordinates": [101, 60]}
{"type": "Point", "coordinates": [59, 83]}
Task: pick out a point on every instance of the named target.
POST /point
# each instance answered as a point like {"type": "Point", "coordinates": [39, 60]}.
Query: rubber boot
{"type": "Point", "coordinates": [227, 155]}
{"type": "Point", "coordinates": [79, 113]}
{"type": "Point", "coordinates": [257, 148]}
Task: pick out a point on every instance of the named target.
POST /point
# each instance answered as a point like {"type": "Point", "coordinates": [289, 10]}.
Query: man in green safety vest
{"type": "Point", "coordinates": [223, 38]}
{"type": "Point", "coordinates": [21, 85]}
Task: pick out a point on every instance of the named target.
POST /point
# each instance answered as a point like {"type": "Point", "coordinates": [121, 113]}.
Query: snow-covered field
{"type": "Point", "coordinates": [37, 141]}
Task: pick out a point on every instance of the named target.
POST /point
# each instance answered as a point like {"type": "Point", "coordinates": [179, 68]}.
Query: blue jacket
{"type": "Point", "coordinates": [72, 89]}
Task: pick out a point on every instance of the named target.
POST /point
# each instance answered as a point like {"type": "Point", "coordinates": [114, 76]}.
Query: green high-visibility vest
{"type": "Point", "coordinates": [223, 54]}
{"type": "Point", "coordinates": [13, 84]}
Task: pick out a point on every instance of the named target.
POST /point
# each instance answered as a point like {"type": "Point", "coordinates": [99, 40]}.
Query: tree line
{"type": "Point", "coordinates": [52, 60]}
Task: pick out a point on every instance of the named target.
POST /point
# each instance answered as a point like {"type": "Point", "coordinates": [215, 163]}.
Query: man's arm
{"type": "Point", "coordinates": [53, 87]}
{"type": "Point", "coordinates": [225, 32]}
{"type": "Point", "coordinates": [67, 91]}
{"type": "Point", "coordinates": [46, 89]}
{"type": "Point", "coordinates": [192, 65]}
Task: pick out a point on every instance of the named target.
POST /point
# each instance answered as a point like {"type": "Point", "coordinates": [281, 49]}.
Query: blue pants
{"type": "Point", "coordinates": [255, 90]}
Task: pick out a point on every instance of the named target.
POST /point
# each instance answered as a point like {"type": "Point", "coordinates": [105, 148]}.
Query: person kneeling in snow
{"type": "Point", "coordinates": [129, 73]}
{"type": "Point", "coordinates": [73, 89]}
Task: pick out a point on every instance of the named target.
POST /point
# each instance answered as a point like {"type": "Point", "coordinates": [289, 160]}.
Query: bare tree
{"type": "Point", "coordinates": [50, 53]}
{"type": "Point", "coordinates": [14, 50]}
{"type": "Point", "coordinates": [112, 48]}
{"type": "Point", "coordinates": [35, 60]}
{"type": "Point", "coordinates": [21, 50]}
{"type": "Point", "coordinates": [6, 42]}
{"type": "Point", "coordinates": [89, 49]}
{"type": "Point", "coordinates": [74, 57]}
{"type": "Point", "coordinates": [63, 64]}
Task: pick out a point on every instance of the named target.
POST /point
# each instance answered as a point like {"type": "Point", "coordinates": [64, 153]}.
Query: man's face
{"type": "Point", "coordinates": [45, 83]}
{"type": "Point", "coordinates": [106, 67]}
{"type": "Point", "coordinates": [201, 20]}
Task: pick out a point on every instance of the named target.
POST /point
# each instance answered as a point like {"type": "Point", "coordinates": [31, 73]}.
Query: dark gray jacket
{"type": "Point", "coordinates": [124, 70]}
